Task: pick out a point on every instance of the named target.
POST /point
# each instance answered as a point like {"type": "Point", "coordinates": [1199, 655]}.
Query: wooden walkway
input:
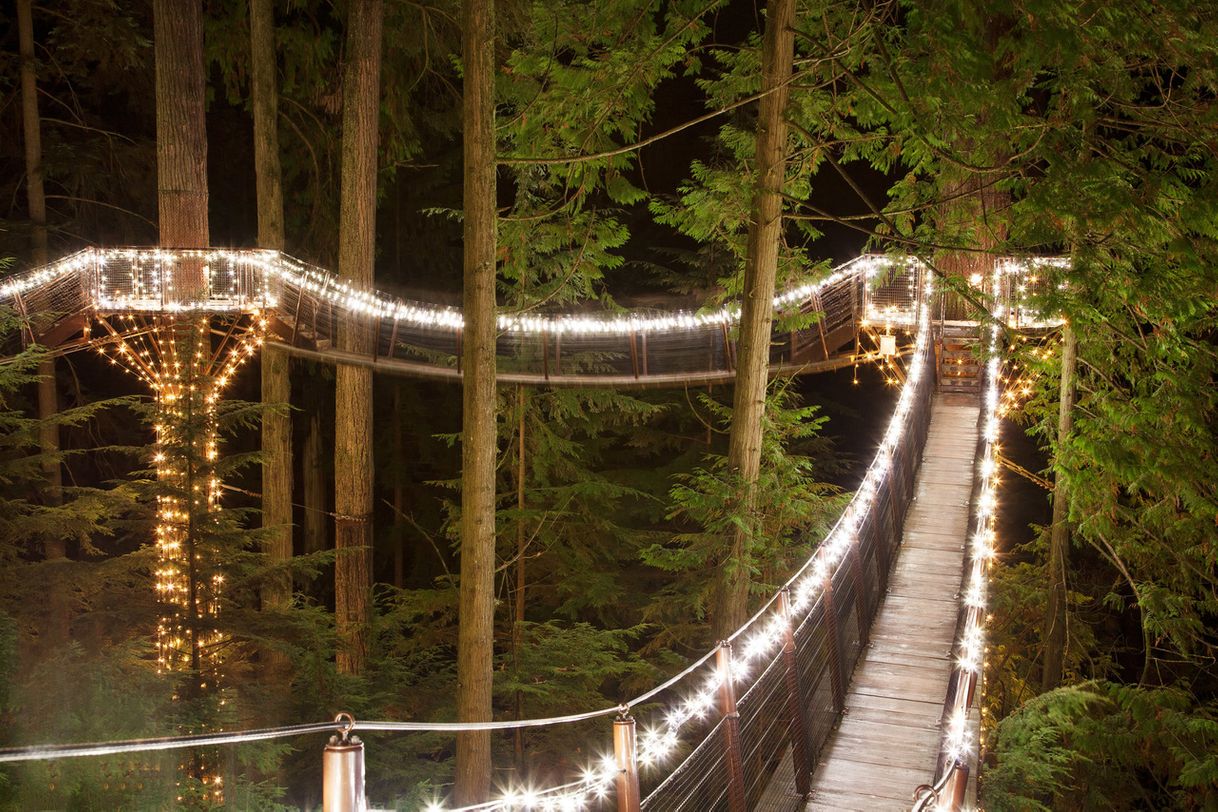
{"type": "Point", "coordinates": [888, 740]}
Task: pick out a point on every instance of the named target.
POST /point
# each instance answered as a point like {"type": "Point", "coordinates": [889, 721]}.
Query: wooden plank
{"type": "Point", "coordinates": [830, 801]}
{"type": "Point", "coordinates": [865, 777]}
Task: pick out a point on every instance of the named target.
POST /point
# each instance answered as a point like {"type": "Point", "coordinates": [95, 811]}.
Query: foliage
{"type": "Point", "coordinates": [792, 511]}
{"type": "Point", "coordinates": [1103, 745]}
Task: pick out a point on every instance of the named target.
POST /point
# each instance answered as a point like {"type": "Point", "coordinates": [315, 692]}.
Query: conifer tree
{"type": "Point", "coordinates": [760, 273]}
{"type": "Point", "coordinates": [353, 385]}
{"type": "Point", "coordinates": [276, 367]}
{"type": "Point", "coordinates": [476, 642]}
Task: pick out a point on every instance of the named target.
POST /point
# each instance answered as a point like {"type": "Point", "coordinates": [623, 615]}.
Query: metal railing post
{"type": "Point", "coordinates": [736, 800]}
{"type": "Point", "coordinates": [829, 614]}
{"type": "Point", "coordinates": [861, 587]}
{"type": "Point", "coordinates": [954, 792]}
{"type": "Point", "coordinates": [343, 770]}
{"type": "Point", "coordinates": [626, 759]}
{"type": "Point", "coordinates": [796, 721]}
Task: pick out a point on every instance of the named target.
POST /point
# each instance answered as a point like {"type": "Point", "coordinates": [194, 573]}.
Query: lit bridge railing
{"type": "Point", "coordinates": [317, 314]}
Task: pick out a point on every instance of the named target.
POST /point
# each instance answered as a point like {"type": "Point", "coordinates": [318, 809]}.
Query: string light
{"type": "Point", "coordinates": [141, 281]}
{"type": "Point", "coordinates": [761, 638]}
{"type": "Point", "coordinates": [959, 742]}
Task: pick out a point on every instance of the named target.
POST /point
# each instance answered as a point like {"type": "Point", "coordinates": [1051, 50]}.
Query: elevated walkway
{"type": "Point", "coordinates": [889, 738]}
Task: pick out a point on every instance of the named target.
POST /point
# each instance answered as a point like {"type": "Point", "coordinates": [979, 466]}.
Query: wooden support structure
{"type": "Point", "coordinates": [833, 639]}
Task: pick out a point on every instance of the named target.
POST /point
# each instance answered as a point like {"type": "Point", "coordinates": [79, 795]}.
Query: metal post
{"type": "Point", "coordinates": [736, 800]}
{"type": "Point", "coordinates": [626, 759]}
{"type": "Point", "coordinates": [863, 615]}
{"type": "Point", "coordinates": [796, 721]}
{"type": "Point", "coordinates": [957, 785]}
{"type": "Point", "coordinates": [829, 614]}
{"type": "Point", "coordinates": [343, 770]}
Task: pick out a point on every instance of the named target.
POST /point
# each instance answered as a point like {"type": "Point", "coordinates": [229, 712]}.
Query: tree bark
{"type": "Point", "coordinates": [519, 594]}
{"type": "Point", "coordinates": [35, 195]}
{"type": "Point", "coordinates": [276, 383]}
{"type": "Point", "coordinates": [182, 199]}
{"type": "Point", "coordinates": [399, 490]}
{"type": "Point", "coordinates": [475, 643]}
{"type": "Point", "coordinates": [1059, 534]}
{"type": "Point", "coordinates": [313, 472]}
{"type": "Point", "coordinates": [760, 272]}
{"type": "Point", "coordinates": [353, 385]}
{"type": "Point", "coordinates": [181, 134]}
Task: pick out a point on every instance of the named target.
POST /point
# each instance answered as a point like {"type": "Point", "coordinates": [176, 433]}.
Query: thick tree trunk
{"type": "Point", "coordinates": [353, 385]}
{"type": "Point", "coordinates": [182, 218]}
{"type": "Point", "coordinates": [475, 640]}
{"type": "Point", "coordinates": [761, 268]}
{"type": "Point", "coordinates": [181, 133]}
{"type": "Point", "coordinates": [276, 383]}
{"type": "Point", "coordinates": [1059, 535]}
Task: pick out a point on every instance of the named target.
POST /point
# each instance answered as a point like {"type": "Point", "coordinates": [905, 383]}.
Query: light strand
{"type": "Point", "coordinates": [959, 742]}
{"type": "Point", "coordinates": [141, 280]}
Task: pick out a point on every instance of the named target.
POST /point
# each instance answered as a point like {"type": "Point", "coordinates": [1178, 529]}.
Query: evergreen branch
{"type": "Point", "coordinates": [628, 148]}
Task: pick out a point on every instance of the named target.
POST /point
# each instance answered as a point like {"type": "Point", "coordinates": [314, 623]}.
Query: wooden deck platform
{"type": "Point", "coordinates": [888, 740]}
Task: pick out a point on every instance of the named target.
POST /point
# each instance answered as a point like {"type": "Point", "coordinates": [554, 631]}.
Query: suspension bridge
{"type": "Point", "coordinates": [855, 686]}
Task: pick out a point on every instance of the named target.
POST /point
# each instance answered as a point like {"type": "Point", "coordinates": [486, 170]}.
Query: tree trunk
{"type": "Point", "coordinates": [353, 385]}
{"type": "Point", "coordinates": [313, 472]}
{"type": "Point", "coordinates": [35, 195]}
{"type": "Point", "coordinates": [518, 595]}
{"type": "Point", "coordinates": [276, 383]}
{"type": "Point", "coordinates": [276, 365]}
{"type": "Point", "coordinates": [476, 641]}
{"type": "Point", "coordinates": [181, 133]}
{"type": "Point", "coordinates": [1059, 535]}
{"type": "Point", "coordinates": [399, 491]}
{"type": "Point", "coordinates": [187, 421]}
{"type": "Point", "coordinates": [761, 268]}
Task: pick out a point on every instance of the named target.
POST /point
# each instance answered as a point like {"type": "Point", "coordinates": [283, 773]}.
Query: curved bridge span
{"type": "Point", "coordinates": [113, 296]}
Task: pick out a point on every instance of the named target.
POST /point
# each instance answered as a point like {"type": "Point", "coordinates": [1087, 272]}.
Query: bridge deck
{"type": "Point", "coordinates": [888, 740]}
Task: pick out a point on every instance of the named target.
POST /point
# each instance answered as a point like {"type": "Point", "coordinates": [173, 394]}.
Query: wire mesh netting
{"type": "Point", "coordinates": [699, 782]}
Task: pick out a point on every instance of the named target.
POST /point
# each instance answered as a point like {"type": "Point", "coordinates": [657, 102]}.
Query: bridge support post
{"type": "Point", "coordinates": [736, 799]}
{"type": "Point", "coordinates": [954, 792]}
{"type": "Point", "coordinates": [343, 774]}
{"type": "Point", "coordinates": [829, 615]}
{"type": "Point", "coordinates": [625, 757]}
{"type": "Point", "coordinates": [862, 589]}
{"type": "Point", "coordinates": [796, 718]}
